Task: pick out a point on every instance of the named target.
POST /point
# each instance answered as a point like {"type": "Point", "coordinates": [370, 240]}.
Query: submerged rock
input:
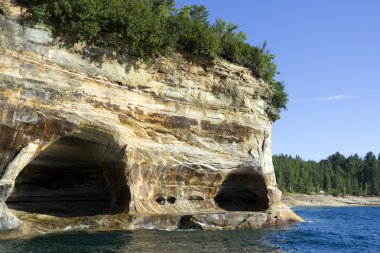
{"type": "Point", "coordinates": [182, 143]}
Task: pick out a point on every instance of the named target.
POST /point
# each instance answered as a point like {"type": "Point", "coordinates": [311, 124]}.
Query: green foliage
{"type": "Point", "coordinates": [335, 175]}
{"type": "Point", "coordinates": [194, 33]}
{"type": "Point", "coordinates": [280, 98]}
{"type": "Point", "coordinates": [231, 41]}
{"type": "Point", "coordinates": [150, 28]}
{"type": "Point", "coordinates": [135, 27]}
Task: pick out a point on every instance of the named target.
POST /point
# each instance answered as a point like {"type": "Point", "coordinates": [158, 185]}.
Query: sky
{"type": "Point", "coordinates": [328, 55]}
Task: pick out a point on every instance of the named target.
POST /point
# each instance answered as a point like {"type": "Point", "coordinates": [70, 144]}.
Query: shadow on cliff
{"type": "Point", "coordinates": [71, 178]}
{"type": "Point", "coordinates": [243, 190]}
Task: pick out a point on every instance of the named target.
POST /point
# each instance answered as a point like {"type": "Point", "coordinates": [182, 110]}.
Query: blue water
{"type": "Point", "coordinates": [352, 229]}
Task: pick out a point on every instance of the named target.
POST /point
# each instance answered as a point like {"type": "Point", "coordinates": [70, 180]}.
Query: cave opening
{"type": "Point", "coordinates": [243, 192]}
{"type": "Point", "coordinates": [72, 177]}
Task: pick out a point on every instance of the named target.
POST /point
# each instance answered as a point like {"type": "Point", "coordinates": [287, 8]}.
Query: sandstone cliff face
{"type": "Point", "coordinates": [174, 144]}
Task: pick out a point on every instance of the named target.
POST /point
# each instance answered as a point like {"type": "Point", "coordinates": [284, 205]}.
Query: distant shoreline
{"type": "Point", "coordinates": [294, 200]}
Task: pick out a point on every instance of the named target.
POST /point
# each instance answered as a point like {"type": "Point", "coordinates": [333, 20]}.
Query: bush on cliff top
{"type": "Point", "coordinates": [150, 28]}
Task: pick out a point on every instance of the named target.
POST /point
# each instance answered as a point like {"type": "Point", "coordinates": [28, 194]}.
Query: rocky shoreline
{"type": "Point", "coordinates": [294, 200]}
{"type": "Point", "coordinates": [112, 143]}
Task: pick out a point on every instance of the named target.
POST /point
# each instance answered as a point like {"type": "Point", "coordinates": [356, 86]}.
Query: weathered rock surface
{"type": "Point", "coordinates": [175, 144]}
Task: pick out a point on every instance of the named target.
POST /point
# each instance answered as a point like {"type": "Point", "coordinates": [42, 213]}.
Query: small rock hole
{"type": "Point", "coordinates": [171, 199]}
{"type": "Point", "coordinates": [160, 200]}
{"type": "Point", "coordinates": [196, 197]}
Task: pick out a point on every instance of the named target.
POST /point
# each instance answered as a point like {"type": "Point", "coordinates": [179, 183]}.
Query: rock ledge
{"type": "Point", "coordinates": [117, 144]}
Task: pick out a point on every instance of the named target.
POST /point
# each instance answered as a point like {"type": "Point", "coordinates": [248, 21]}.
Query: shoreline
{"type": "Point", "coordinates": [297, 200]}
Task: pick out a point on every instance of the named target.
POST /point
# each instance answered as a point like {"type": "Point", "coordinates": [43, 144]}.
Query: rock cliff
{"type": "Point", "coordinates": [98, 140]}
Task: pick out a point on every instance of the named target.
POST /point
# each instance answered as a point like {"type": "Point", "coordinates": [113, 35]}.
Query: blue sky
{"type": "Point", "coordinates": [328, 54]}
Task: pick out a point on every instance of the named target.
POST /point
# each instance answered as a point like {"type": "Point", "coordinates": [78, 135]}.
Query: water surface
{"type": "Point", "coordinates": [351, 229]}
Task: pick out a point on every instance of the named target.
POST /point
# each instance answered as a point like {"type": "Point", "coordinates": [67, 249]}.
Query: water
{"type": "Point", "coordinates": [352, 229]}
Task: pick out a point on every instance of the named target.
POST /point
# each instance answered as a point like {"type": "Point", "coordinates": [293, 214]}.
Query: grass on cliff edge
{"type": "Point", "coordinates": [152, 28]}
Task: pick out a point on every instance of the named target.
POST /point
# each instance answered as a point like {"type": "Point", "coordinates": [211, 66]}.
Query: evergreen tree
{"type": "Point", "coordinates": [370, 173]}
{"type": "Point", "coordinates": [336, 175]}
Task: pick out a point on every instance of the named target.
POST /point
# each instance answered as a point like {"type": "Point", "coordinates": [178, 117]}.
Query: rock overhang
{"type": "Point", "coordinates": [178, 131]}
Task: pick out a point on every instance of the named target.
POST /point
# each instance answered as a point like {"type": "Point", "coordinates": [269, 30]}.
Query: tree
{"type": "Point", "coordinates": [370, 173]}
{"type": "Point", "coordinates": [151, 28]}
{"type": "Point", "coordinates": [335, 175]}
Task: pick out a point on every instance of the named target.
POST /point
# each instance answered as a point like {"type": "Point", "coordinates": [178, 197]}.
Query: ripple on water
{"type": "Point", "coordinates": [354, 229]}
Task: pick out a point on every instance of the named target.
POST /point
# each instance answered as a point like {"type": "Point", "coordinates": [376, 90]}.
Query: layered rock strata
{"type": "Point", "coordinates": [178, 143]}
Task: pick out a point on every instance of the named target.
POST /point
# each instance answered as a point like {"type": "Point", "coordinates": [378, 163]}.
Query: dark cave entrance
{"type": "Point", "coordinates": [242, 191]}
{"type": "Point", "coordinates": [71, 178]}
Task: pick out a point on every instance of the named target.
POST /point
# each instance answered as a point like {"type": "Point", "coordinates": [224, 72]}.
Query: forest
{"type": "Point", "coordinates": [336, 175]}
{"type": "Point", "coordinates": [153, 28]}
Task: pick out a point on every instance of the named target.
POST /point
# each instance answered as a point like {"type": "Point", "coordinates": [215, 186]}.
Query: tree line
{"type": "Point", "coordinates": [337, 175]}
{"type": "Point", "coordinates": [152, 28]}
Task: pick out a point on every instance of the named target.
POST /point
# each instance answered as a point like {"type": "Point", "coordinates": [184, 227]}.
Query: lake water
{"type": "Point", "coordinates": [351, 229]}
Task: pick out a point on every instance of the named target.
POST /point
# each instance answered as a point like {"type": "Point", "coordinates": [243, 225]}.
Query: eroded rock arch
{"type": "Point", "coordinates": [80, 174]}
{"type": "Point", "coordinates": [243, 190]}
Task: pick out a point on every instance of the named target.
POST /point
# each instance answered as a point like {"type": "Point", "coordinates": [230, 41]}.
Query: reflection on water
{"type": "Point", "coordinates": [325, 230]}
{"type": "Point", "coordinates": [145, 241]}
